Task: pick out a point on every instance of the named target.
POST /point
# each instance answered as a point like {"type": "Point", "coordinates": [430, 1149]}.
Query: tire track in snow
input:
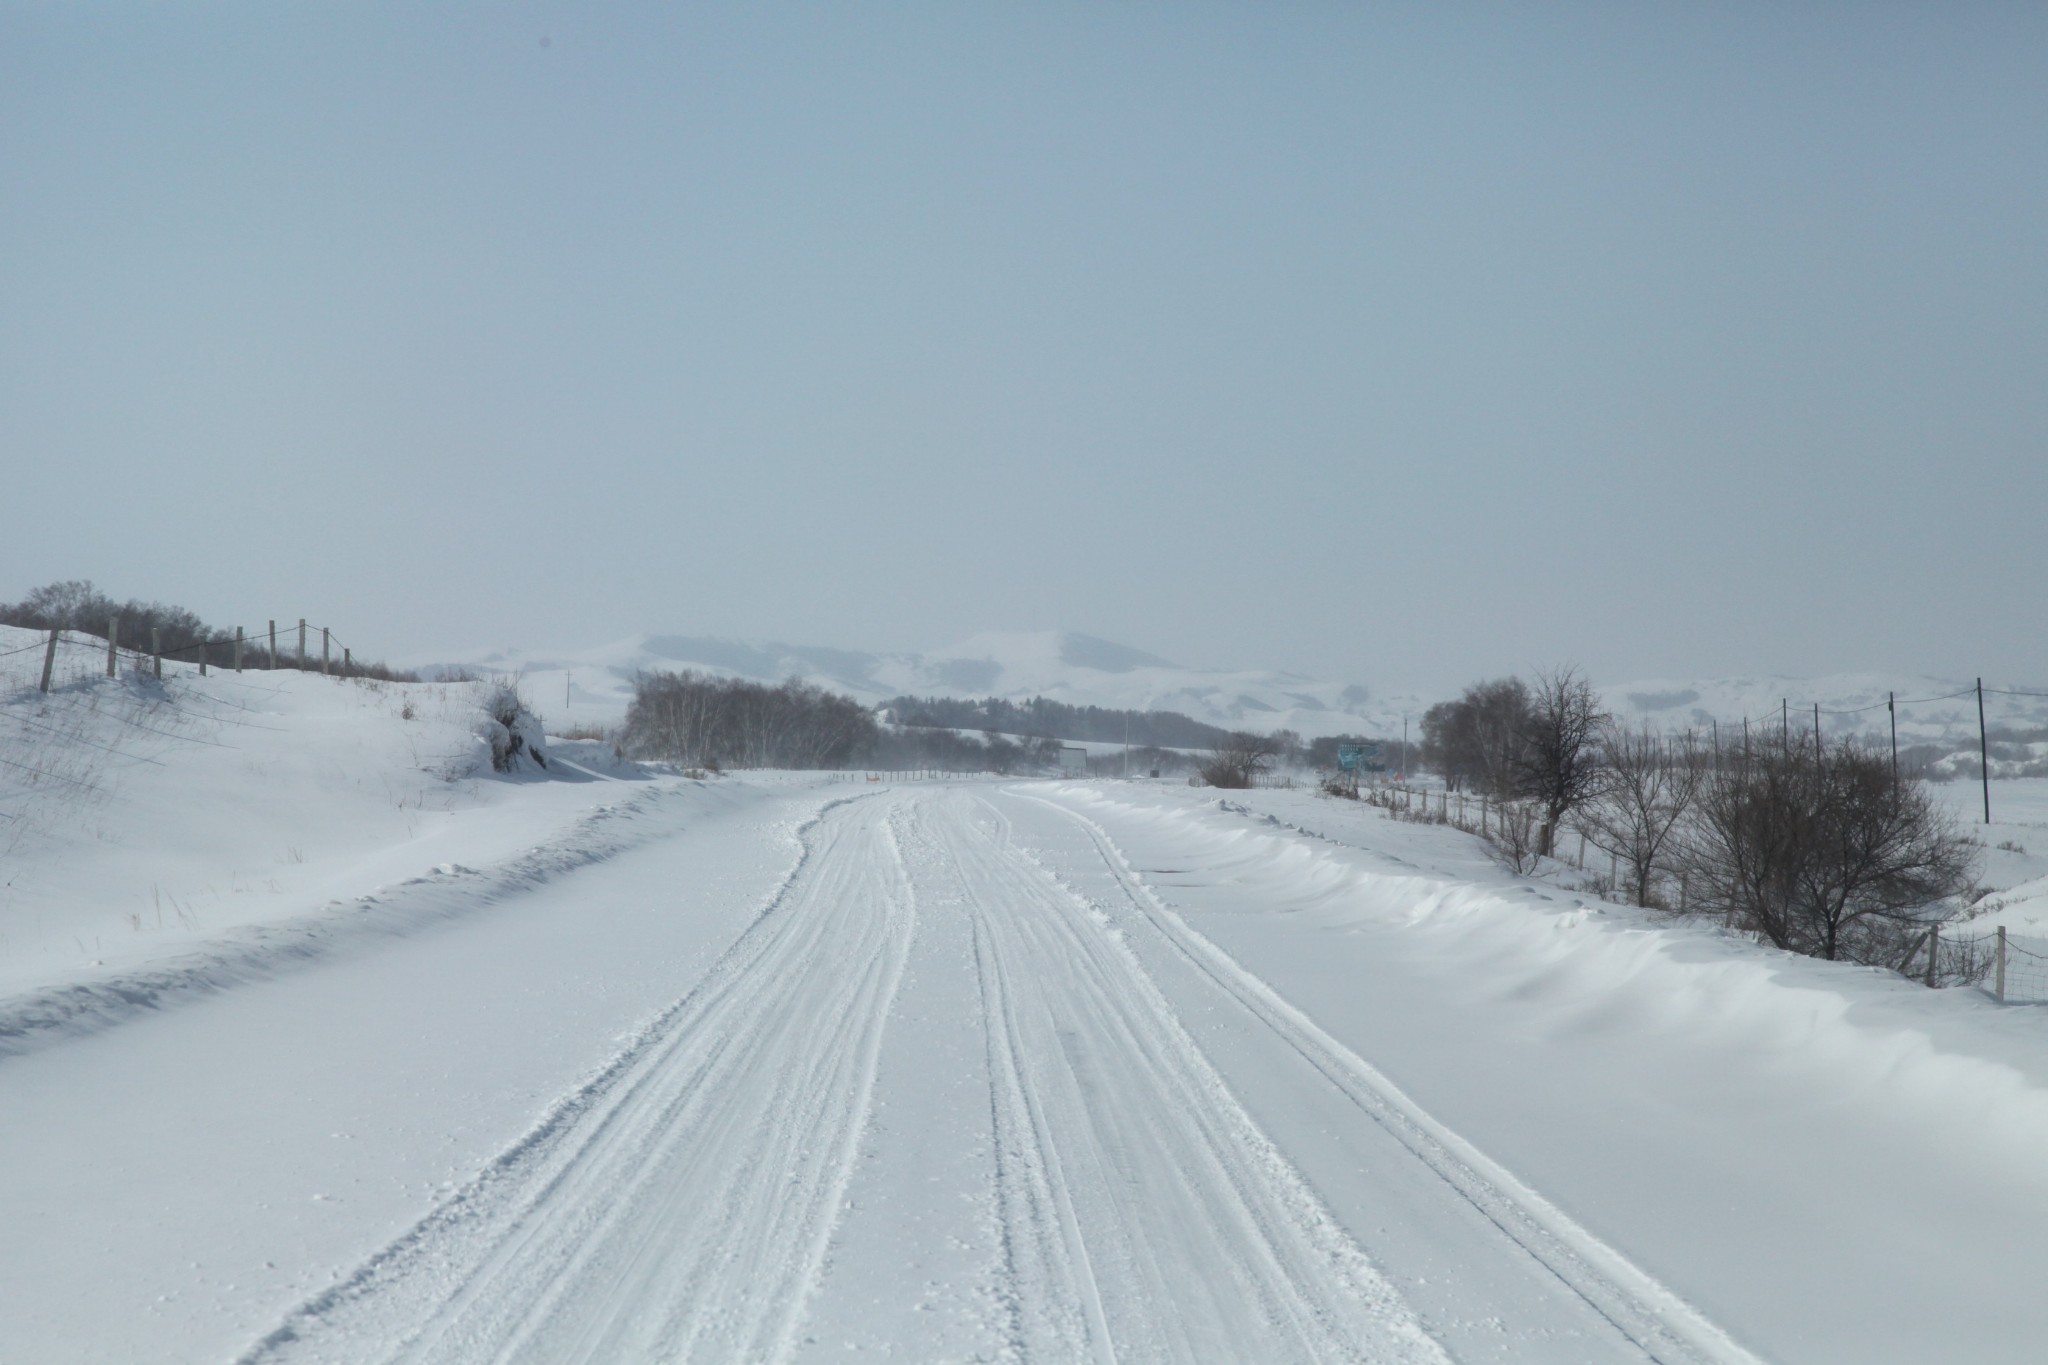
{"type": "Point", "coordinates": [1145, 1216]}
{"type": "Point", "coordinates": [1658, 1321]}
{"type": "Point", "coordinates": [679, 1205]}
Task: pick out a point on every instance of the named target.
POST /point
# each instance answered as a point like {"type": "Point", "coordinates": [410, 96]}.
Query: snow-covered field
{"type": "Point", "coordinates": [424, 1063]}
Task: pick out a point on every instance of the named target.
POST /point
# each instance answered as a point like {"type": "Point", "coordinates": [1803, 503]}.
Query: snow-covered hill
{"type": "Point", "coordinates": [1059, 665]}
{"type": "Point", "coordinates": [594, 685]}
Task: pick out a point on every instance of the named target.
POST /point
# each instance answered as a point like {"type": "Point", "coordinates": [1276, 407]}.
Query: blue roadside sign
{"type": "Point", "coordinates": [1366, 756]}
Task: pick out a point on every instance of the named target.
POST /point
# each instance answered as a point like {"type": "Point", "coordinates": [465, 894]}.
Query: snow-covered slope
{"type": "Point", "coordinates": [144, 820]}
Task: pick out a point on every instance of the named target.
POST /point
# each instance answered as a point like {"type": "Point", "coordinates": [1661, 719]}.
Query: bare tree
{"type": "Point", "coordinates": [1821, 851]}
{"type": "Point", "coordinates": [1238, 760]}
{"type": "Point", "coordinates": [1649, 787]}
{"type": "Point", "coordinates": [68, 605]}
{"type": "Point", "coordinates": [1556, 764]}
{"type": "Point", "coordinates": [1475, 742]}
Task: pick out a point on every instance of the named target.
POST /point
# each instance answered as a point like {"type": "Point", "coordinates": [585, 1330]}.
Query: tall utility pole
{"type": "Point", "coordinates": [1983, 751]}
{"type": "Point", "coordinates": [1404, 746]}
{"type": "Point", "coordinates": [1891, 704]}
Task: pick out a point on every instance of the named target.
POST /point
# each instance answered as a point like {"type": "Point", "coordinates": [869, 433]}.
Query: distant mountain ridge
{"type": "Point", "coordinates": [1084, 670]}
{"type": "Point", "coordinates": [1063, 666]}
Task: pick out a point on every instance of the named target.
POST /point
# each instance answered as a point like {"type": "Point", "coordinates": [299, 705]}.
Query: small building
{"type": "Point", "coordinates": [1073, 761]}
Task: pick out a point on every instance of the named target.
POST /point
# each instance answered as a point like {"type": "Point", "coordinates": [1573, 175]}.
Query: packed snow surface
{"type": "Point", "coordinates": [788, 1067]}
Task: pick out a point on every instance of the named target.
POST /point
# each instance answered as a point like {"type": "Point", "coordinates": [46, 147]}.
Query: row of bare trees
{"type": "Point", "coordinates": [696, 720]}
{"type": "Point", "coordinates": [699, 720]}
{"type": "Point", "coordinates": [1817, 848]}
{"type": "Point", "coordinates": [1513, 741]}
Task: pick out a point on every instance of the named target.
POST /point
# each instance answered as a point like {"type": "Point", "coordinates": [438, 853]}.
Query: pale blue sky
{"type": "Point", "coordinates": [1401, 344]}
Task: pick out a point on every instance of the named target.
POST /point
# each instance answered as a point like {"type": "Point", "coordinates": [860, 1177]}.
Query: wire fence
{"type": "Point", "coordinates": [1513, 827]}
{"type": "Point", "coordinates": [298, 646]}
{"type": "Point", "coordinates": [79, 709]}
{"type": "Point", "coordinates": [2012, 967]}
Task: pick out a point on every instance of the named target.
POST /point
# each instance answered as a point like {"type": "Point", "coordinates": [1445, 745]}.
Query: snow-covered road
{"type": "Point", "coordinates": [931, 1072]}
{"type": "Point", "coordinates": [932, 1103]}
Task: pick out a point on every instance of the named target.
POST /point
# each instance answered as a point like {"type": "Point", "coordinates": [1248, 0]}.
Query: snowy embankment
{"type": "Point", "coordinates": [1791, 1141]}
{"type": "Point", "coordinates": [161, 835]}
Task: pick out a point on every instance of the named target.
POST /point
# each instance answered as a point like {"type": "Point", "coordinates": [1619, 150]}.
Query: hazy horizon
{"type": "Point", "coordinates": [1402, 346]}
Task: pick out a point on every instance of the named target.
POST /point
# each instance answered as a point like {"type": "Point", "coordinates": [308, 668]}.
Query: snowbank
{"type": "Point", "coordinates": [141, 819]}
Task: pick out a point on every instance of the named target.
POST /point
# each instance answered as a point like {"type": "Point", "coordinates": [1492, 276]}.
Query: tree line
{"type": "Point", "coordinates": [1044, 718]}
{"type": "Point", "coordinates": [700, 720]}
{"type": "Point", "coordinates": [76, 605]}
{"type": "Point", "coordinates": [697, 720]}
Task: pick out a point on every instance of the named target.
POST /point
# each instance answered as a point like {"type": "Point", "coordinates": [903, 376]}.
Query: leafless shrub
{"type": "Point", "coordinates": [1958, 960]}
{"type": "Point", "coordinates": [513, 732]}
{"type": "Point", "coordinates": [1820, 851]}
{"type": "Point", "coordinates": [1512, 836]}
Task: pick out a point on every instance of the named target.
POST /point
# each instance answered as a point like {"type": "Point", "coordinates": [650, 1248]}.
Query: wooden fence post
{"type": "Point", "coordinates": [347, 666]}
{"type": "Point", "coordinates": [326, 651]}
{"type": "Point", "coordinates": [1933, 951]}
{"type": "Point", "coordinates": [156, 651]}
{"type": "Point", "coordinates": [113, 642]}
{"type": "Point", "coordinates": [2001, 964]}
{"type": "Point", "coordinates": [238, 649]}
{"type": "Point", "coordinates": [202, 657]}
{"type": "Point", "coordinates": [49, 658]}
{"type": "Point", "coordinates": [302, 643]}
